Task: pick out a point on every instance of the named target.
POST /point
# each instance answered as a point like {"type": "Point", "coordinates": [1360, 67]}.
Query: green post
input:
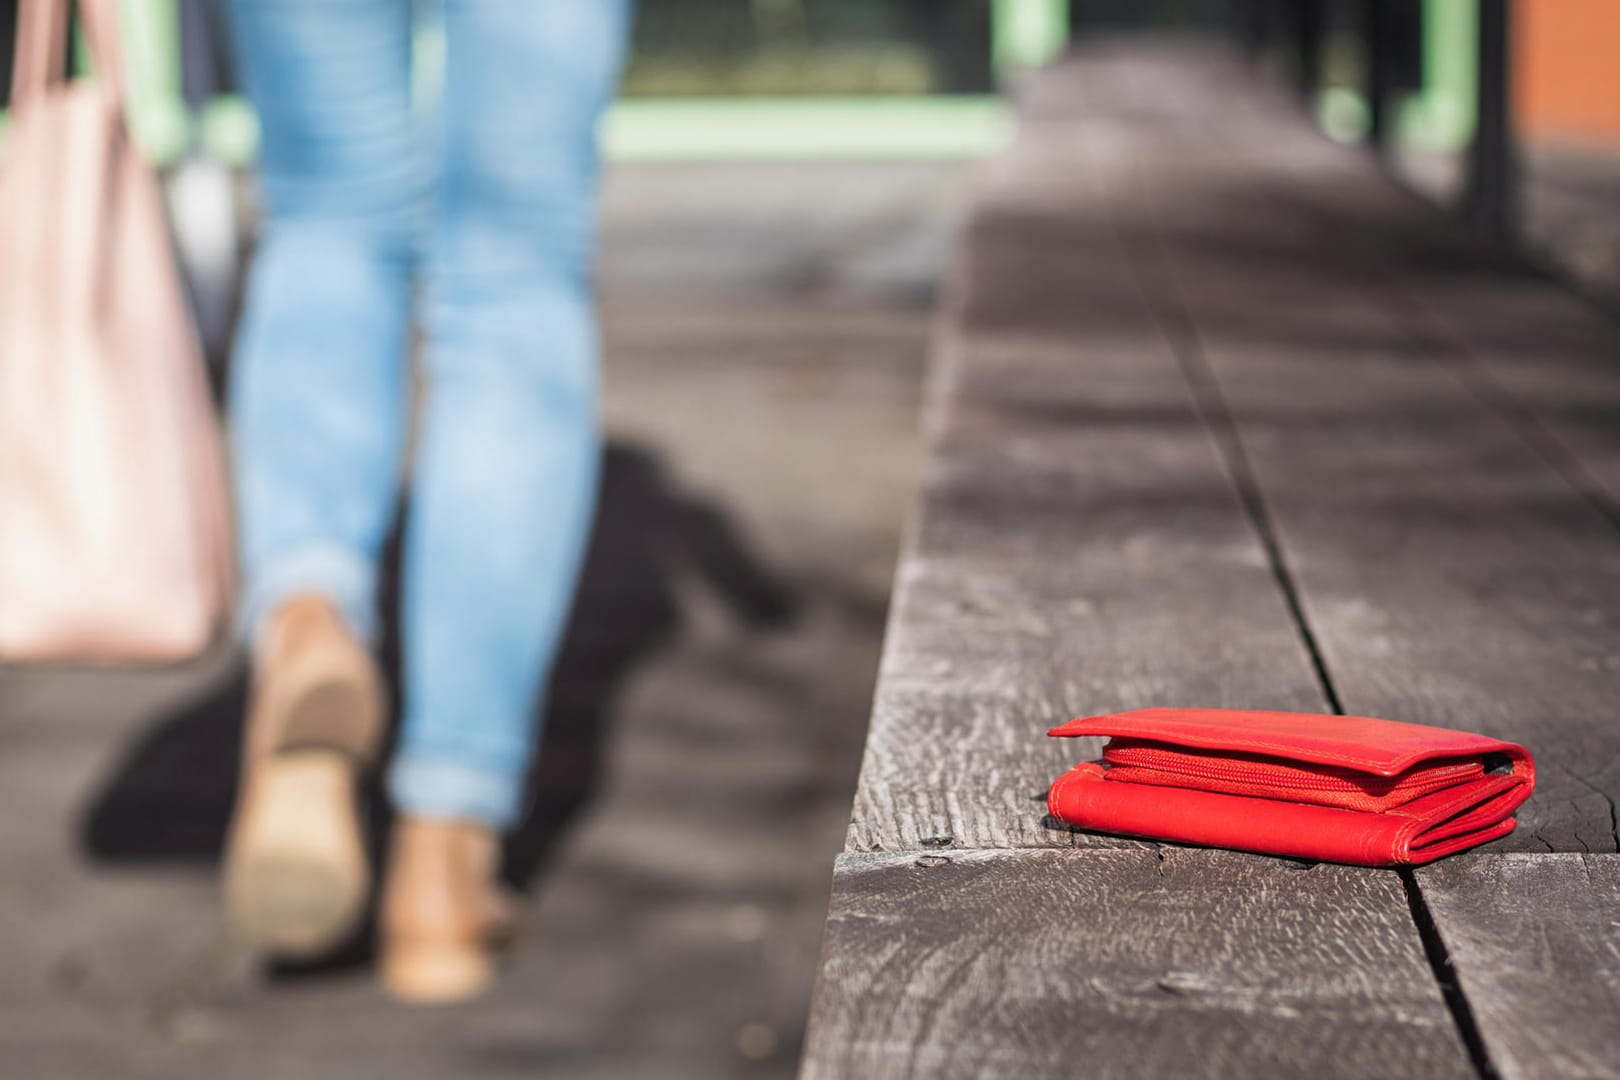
{"type": "Point", "coordinates": [1441, 116]}
{"type": "Point", "coordinates": [151, 37]}
{"type": "Point", "coordinates": [1027, 33]}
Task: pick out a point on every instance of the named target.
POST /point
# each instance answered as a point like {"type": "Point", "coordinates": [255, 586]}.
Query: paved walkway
{"type": "Point", "coordinates": [766, 332]}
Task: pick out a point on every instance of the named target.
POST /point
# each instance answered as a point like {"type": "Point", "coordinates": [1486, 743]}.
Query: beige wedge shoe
{"type": "Point", "coordinates": [445, 918]}
{"type": "Point", "coordinates": [296, 873]}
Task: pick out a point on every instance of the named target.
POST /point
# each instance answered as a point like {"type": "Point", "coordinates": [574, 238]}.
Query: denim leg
{"type": "Point", "coordinates": [506, 472]}
{"type": "Point", "coordinates": [319, 381]}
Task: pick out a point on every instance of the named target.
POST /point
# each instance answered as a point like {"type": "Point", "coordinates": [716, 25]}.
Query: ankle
{"type": "Point", "coordinates": [445, 851]}
{"type": "Point", "coordinates": [299, 620]}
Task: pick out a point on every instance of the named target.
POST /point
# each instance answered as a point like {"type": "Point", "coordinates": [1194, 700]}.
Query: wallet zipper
{"type": "Point", "coordinates": [1149, 763]}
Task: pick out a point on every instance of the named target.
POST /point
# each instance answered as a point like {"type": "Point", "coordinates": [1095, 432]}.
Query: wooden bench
{"type": "Point", "coordinates": [1221, 416]}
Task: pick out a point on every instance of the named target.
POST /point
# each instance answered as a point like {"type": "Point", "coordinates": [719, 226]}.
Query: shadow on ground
{"type": "Point", "coordinates": [170, 798]}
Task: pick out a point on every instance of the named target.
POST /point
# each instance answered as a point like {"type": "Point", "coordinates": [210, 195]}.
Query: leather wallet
{"type": "Point", "coordinates": [1346, 789]}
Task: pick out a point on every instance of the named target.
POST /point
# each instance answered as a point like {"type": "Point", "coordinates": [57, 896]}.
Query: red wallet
{"type": "Point", "coordinates": [1346, 789]}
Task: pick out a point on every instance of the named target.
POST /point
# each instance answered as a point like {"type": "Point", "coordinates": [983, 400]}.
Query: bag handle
{"type": "Point", "coordinates": [42, 42]}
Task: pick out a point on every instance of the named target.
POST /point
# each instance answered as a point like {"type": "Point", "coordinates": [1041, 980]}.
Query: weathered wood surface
{"type": "Point", "coordinates": [1535, 941]}
{"type": "Point", "coordinates": [1547, 358]}
{"type": "Point", "coordinates": [1450, 572]}
{"type": "Point", "coordinates": [1079, 546]}
{"type": "Point", "coordinates": [1222, 417]}
{"type": "Point", "coordinates": [1123, 964]}
{"type": "Point", "coordinates": [1520, 338]}
{"type": "Point", "coordinates": [1077, 521]}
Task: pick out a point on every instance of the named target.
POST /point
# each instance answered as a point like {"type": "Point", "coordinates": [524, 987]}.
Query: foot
{"type": "Point", "coordinates": [296, 874]}
{"type": "Point", "coordinates": [444, 916]}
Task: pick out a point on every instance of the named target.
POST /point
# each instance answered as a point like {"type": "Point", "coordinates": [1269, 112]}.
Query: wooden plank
{"type": "Point", "coordinates": [1494, 311]}
{"type": "Point", "coordinates": [1519, 337]}
{"type": "Point", "coordinates": [1123, 963]}
{"type": "Point", "coordinates": [1449, 573]}
{"type": "Point", "coordinates": [1455, 490]}
{"type": "Point", "coordinates": [1164, 352]}
{"type": "Point", "coordinates": [1545, 363]}
{"type": "Point", "coordinates": [1549, 360]}
{"type": "Point", "coordinates": [1079, 547]}
{"type": "Point", "coordinates": [1523, 341]}
{"type": "Point", "coordinates": [1536, 948]}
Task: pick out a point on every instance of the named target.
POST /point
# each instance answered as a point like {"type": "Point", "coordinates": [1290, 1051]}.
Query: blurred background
{"type": "Point", "coordinates": [785, 180]}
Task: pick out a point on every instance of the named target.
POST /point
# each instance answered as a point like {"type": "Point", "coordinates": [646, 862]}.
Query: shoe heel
{"type": "Point", "coordinates": [339, 707]}
{"type": "Point", "coordinates": [436, 974]}
{"type": "Point", "coordinates": [296, 876]}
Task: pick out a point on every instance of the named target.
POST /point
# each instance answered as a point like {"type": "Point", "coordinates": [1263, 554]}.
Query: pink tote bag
{"type": "Point", "coordinates": [114, 516]}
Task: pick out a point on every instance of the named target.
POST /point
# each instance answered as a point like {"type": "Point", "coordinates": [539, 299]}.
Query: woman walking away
{"type": "Point", "coordinates": [485, 217]}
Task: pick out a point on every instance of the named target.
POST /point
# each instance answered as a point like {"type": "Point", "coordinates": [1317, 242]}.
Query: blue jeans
{"type": "Point", "coordinates": [485, 218]}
